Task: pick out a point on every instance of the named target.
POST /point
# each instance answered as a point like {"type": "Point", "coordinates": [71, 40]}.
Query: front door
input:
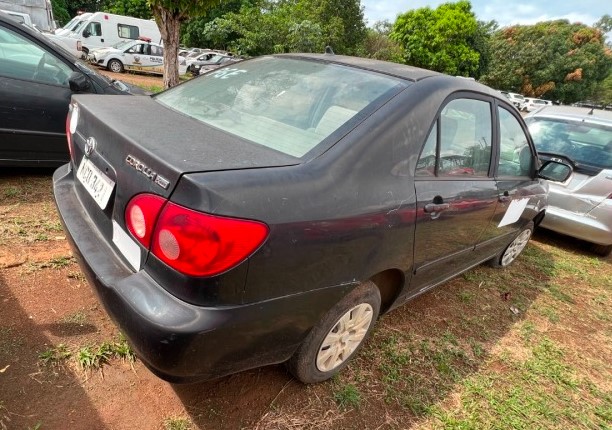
{"type": "Point", "coordinates": [456, 193]}
{"type": "Point", "coordinates": [34, 97]}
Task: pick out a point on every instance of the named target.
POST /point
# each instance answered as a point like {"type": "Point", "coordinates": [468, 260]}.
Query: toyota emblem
{"type": "Point", "coordinates": [90, 146]}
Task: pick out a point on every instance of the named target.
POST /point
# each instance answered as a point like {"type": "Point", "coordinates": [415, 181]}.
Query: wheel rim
{"type": "Point", "coordinates": [515, 248]}
{"type": "Point", "coordinates": [344, 338]}
{"type": "Point", "coordinates": [115, 67]}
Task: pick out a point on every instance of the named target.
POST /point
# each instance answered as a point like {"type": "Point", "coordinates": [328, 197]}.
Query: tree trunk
{"type": "Point", "coordinates": [169, 24]}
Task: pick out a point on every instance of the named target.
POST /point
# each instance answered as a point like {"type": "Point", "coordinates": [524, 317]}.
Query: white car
{"type": "Point", "coordinates": [532, 104]}
{"type": "Point", "coordinates": [134, 55]}
{"type": "Point", "coordinates": [518, 100]}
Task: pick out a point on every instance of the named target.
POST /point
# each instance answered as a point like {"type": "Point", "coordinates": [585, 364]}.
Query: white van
{"type": "Point", "coordinates": [102, 30]}
{"type": "Point", "coordinates": [73, 24]}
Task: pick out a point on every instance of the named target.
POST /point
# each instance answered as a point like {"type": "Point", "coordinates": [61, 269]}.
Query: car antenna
{"type": "Point", "coordinates": [591, 111]}
{"type": "Point", "coordinates": [329, 50]}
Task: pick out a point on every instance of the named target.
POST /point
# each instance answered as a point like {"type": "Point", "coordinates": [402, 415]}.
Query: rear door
{"type": "Point", "coordinates": [456, 192]}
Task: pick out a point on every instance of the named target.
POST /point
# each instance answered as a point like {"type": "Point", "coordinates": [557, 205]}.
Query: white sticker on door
{"type": "Point", "coordinates": [514, 212]}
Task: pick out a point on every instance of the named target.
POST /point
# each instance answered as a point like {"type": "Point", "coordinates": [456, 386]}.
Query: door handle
{"type": "Point", "coordinates": [435, 207]}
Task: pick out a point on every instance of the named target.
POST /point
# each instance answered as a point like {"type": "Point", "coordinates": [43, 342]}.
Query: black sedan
{"type": "Point", "coordinates": [37, 79]}
{"type": "Point", "coordinates": [273, 210]}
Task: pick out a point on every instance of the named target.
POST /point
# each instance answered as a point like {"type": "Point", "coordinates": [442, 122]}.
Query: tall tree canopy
{"type": "Point", "coordinates": [554, 59]}
{"type": "Point", "coordinates": [445, 39]}
{"type": "Point", "coordinates": [268, 26]}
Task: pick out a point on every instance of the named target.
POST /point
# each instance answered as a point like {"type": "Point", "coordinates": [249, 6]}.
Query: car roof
{"type": "Point", "coordinates": [574, 113]}
{"type": "Point", "coordinates": [399, 70]}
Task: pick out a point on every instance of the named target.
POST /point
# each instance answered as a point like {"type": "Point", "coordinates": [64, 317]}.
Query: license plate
{"type": "Point", "coordinates": [98, 185]}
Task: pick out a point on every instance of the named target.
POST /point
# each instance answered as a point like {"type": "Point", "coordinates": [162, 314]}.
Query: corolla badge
{"type": "Point", "coordinates": [90, 146]}
{"type": "Point", "coordinates": [139, 166]}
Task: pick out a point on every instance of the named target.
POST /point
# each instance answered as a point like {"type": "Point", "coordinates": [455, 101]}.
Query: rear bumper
{"type": "Point", "coordinates": [178, 341]}
{"type": "Point", "coordinates": [595, 226]}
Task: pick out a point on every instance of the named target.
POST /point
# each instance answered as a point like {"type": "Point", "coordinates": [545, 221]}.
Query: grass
{"type": "Point", "coordinates": [177, 423]}
{"type": "Point", "coordinates": [89, 357]}
{"type": "Point", "coordinates": [347, 396]}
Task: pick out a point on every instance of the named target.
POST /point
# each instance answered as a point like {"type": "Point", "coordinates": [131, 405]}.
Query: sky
{"type": "Point", "coordinates": [505, 12]}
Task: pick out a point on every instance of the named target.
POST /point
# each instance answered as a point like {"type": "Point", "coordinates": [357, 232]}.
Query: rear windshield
{"type": "Point", "coordinates": [285, 104]}
{"type": "Point", "coordinates": [581, 142]}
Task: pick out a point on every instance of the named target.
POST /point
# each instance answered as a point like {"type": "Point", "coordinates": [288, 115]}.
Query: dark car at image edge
{"type": "Point", "coordinates": [37, 79]}
{"type": "Point", "coordinates": [274, 209]}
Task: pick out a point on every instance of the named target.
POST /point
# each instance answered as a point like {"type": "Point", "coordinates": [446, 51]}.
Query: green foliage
{"type": "Point", "coordinates": [380, 46]}
{"type": "Point", "coordinates": [135, 8]}
{"type": "Point", "coordinates": [60, 12]}
{"type": "Point", "coordinates": [554, 60]}
{"type": "Point", "coordinates": [266, 26]}
{"type": "Point", "coordinates": [443, 39]}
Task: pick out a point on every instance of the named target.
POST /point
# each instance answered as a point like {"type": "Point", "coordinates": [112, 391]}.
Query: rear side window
{"type": "Point", "coordinates": [128, 31]}
{"type": "Point", "coordinates": [288, 105]}
{"type": "Point", "coordinates": [460, 141]}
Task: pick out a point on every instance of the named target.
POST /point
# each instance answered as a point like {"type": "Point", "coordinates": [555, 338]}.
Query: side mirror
{"type": "Point", "coordinates": [86, 33]}
{"type": "Point", "coordinates": [556, 171]}
{"type": "Point", "coordinates": [78, 82]}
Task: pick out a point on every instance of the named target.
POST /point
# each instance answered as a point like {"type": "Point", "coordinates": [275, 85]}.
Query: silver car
{"type": "Point", "coordinates": [581, 206]}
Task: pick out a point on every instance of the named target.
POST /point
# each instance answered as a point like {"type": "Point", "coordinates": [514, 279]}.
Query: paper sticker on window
{"type": "Point", "coordinates": [514, 212]}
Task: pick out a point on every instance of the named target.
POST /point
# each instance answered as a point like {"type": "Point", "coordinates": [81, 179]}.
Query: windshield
{"type": "Point", "coordinates": [123, 43]}
{"type": "Point", "coordinates": [285, 104]}
{"type": "Point", "coordinates": [581, 142]}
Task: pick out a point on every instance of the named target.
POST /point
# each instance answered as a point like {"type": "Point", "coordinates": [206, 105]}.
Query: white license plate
{"type": "Point", "coordinates": [98, 185]}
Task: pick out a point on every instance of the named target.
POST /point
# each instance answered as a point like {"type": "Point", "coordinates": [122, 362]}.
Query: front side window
{"type": "Point", "coordinates": [288, 105]}
{"type": "Point", "coordinates": [94, 29]}
{"type": "Point", "coordinates": [515, 157]}
{"type": "Point", "coordinates": [464, 143]}
{"type": "Point", "coordinates": [128, 31]}
{"type": "Point", "coordinates": [20, 58]}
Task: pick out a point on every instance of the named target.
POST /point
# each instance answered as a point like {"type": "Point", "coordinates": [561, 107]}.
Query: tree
{"type": "Point", "coordinates": [194, 32]}
{"type": "Point", "coordinates": [441, 39]}
{"type": "Point", "coordinates": [554, 59]}
{"type": "Point", "coordinates": [169, 15]}
{"type": "Point", "coordinates": [380, 46]}
{"type": "Point", "coordinates": [60, 11]}
{"type": "Point", "coordinates": [135, 8]}
{"type": "Point", "coordinates": [269, 26]}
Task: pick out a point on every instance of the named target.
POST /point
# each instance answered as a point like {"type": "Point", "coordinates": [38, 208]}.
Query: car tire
{"type": "Point", "coordinates": [601, 250]}
{"type": "Point", "coordinates": [514, 249]}
{"type": "Point", "coordinates": [115, 66]}
{"type": "Point", "coordinates": [334, 340]}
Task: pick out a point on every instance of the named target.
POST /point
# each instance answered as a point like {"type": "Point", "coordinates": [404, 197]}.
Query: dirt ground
{"type": "Point", "coordinates": [45, 302]}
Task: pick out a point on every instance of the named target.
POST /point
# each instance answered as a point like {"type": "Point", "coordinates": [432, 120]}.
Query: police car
{"type": "Point", "coordinates": [139, 55]}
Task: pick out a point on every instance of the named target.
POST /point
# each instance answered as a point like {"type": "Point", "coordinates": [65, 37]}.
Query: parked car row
{"type": "Point", "coordinates": [525, 104]}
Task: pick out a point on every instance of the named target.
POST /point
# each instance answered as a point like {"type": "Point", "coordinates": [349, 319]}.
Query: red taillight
{"type": "Point", "coordinates": [69, 135]}
{"type": "Point", "coordinates": [191, 242]}
{"type": "Point", "coordinates": [72, 120]}
{"type": "Point", "coordinates": [141, 214]}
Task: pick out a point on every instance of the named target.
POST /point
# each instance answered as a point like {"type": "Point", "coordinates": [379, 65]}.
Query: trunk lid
{"type": "Point", "coordinates": [144, 147]}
